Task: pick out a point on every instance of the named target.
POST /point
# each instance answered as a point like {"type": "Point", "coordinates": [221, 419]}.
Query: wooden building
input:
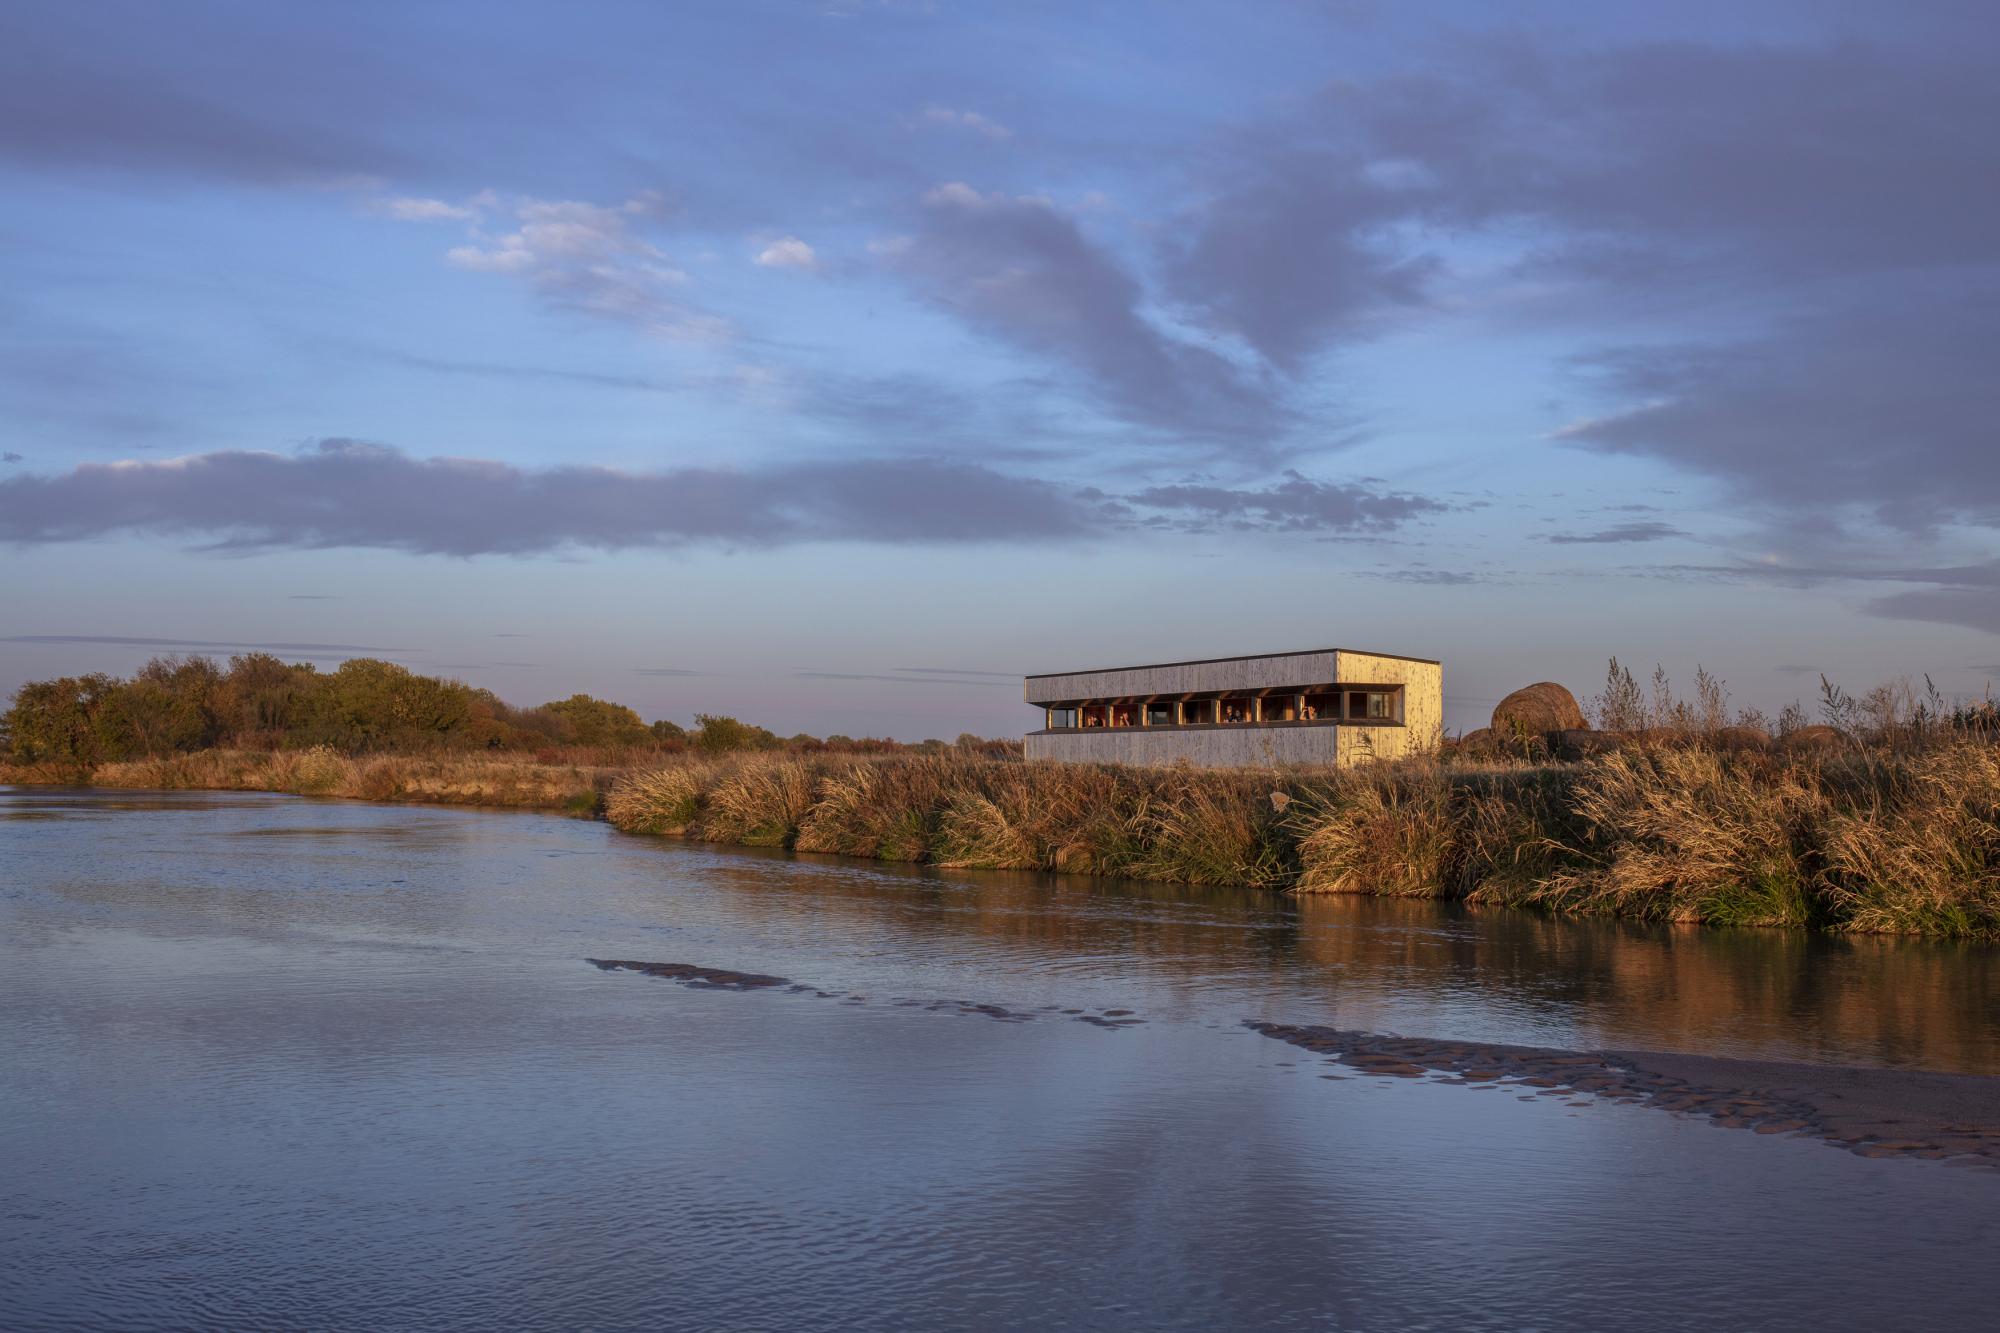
{"type": "Point", "coordinates": [1325, 706]}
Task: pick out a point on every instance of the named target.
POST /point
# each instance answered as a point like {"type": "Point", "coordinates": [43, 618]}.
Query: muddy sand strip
{"type": "Point", "coordinates": [716, 978]}
{"type": "Point", "coordinates": [1873, 1112]}
{"type": "Point", "coordinates": [699, 978]}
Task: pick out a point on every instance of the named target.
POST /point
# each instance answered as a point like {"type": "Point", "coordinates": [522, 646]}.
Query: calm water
{"type": "Point", "coordinates": [274, 1063]}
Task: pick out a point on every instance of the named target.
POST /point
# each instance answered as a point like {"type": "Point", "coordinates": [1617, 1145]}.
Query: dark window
{"type": "Point", "coordinates": [1238, 710]}
{"type": "Point", "coordinates": [1094, 715]}
{"type": "Point", "coordinates": [1198, 712]}
{"type": "Point", "coordinates": [1159, 715]}
{"type": "Point", "coordinates": [1279, 708]}
{"type": "Point", "coordinates": [1124, 715]}
{"type": "Point", "coordinates": [1321, 708]}
{"type": "Point", "coordinates": [1061, 717]}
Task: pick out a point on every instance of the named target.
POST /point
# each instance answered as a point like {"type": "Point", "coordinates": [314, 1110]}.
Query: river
{"type": "Point", "coordinates": [269, 1062]}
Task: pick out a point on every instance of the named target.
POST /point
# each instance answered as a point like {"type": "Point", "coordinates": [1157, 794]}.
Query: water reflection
{"type": "Point", "coordinates": [283, 1063]}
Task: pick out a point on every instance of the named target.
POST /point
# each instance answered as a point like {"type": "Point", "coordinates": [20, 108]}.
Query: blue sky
{"type": "Point", "coordinates": [806, 361]}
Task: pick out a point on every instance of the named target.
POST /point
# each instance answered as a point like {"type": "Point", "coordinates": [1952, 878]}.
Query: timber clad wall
{"type": "Point", "coordinates": [1418, 685]}
{"type": "Point", "coordinates": [1229, 673]}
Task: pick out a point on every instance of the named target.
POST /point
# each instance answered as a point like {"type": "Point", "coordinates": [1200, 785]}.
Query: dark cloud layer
{"type": "Point", "coordinates": [1854, 187]}
{"type": "Point", "coordinates": [1892, 407]}
{"type": "Point", "coordinates": [1024, 271]}
{"type": "Point", "coordinates": [348, 493]}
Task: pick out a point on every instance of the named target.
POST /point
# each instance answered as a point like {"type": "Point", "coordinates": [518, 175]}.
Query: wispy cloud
{"type": "Point", "coordinates": [1648, 531]}
{"type": "Point", "coordinates": [666, 671]}
{"type": "Point", "coordinates": [1432, 578]}
{"type": "Point", "coordinates": [591, 259]}
{"type": "Point", "coordinates": [959, 671]}
{"type": "Point", "coordinates": [310, 650]}
{"type": "Point", "coordinates": [944, 117]}
{"type": "Point", "coordinates": [787, 252]}
{"type": "Point", "coordinates": [1295, 504]}
{"type": "Point", "coordinates": [901, 680]}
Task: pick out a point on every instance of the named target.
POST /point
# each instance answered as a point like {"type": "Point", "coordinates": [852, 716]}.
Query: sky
{"type": "Point", "coordinates": [833, 364]}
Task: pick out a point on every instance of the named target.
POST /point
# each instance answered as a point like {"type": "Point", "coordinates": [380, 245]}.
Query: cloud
{"type": "Point", "coordinates": [1020, 270]}
{"type": "Point", "coordinates": [1294, 504]}
{"type": "Point", "coordinates": [902, 680]}
{"type": "Point", "coordinates": [1966, 595]}
{"type": "Point", "coordinates": [788, 252]}
{"type": "Point", "coordinates": [76, 93]}
{"type": "Point", "coordinates": [1851, 189]}
{"type": "Point", "coordinates": [946, 117]}
{"type": "Point", "coordinates": [1431, 578]}
{"type": "Point", "coordinates": [959, 671]}
{"type": "Point", "coordinates": [10, 457]}
{"type": "Point", "coordinates": [346, 493]}
{"type": "Point", "coordinates": [1617, 532]}
{"type": "Point", "coordinates": [312, 597]}
{"type": "Point", "coordinates": [666, 671]}
{"type": "Point", "coordinates": [404, 209]}
{"type": "Point", "coordinates": [1888, 406]}
{"type": "Point", "coordinates": [592, 260]}
{"type": "Point", "coordinates": [302, 650]}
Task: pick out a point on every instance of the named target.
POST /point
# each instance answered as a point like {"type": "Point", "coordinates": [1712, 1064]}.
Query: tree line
{"type": "Point", "coordinates": [177, 705]}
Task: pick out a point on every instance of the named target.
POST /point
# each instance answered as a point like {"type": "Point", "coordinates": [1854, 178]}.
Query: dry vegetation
{"type": "Point", "coordinates": [1869, 839]}
{"type": "Point", "coordinates": [322, 771]}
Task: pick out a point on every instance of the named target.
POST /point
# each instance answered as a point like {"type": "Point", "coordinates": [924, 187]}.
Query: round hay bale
{"type": "Point", "coordinates": [1816, 739]}
{"type": "Point", "coordinates": [1541, 709]}
{"type": "Point", "coordinates": [1480, 741]}
{"type": "Point", "coordinates": [1740, 738]}
{"type": "Point", "coordinates": [1661, 738]}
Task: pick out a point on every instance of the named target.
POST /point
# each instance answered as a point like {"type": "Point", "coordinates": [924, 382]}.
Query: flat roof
{"type": "Point", "coordinates": [1233, 657]}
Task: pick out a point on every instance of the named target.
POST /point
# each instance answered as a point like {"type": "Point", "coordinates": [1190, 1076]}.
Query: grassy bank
{"type": "Point", "coordinates": [514, 780]}
{"type": "Point", "coordinates": [1863, 838]}
{"type": "Point", "coordinates": [1868, 840]}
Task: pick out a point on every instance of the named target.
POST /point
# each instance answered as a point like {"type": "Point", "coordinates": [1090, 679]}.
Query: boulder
{"type": "Point", "coordinates": [1541, 709]}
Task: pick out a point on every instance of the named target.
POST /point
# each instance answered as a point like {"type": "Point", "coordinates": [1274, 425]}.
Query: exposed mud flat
{"type": "Point", "coordinates": [700, 978]}
{"type": "Point", "coordinates": [715, 978]}
{"type": "Point", "coordinates": [1872, 1112]}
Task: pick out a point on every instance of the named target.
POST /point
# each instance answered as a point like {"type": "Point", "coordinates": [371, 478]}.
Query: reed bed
{"type": "Point", "coordinates": [1864, 841]}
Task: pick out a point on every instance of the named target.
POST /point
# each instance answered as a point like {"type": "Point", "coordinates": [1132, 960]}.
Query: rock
{"type": "Point", "coordinates": [1816, 739]}
{"type": "Point", "coordinates": [1541, 709]}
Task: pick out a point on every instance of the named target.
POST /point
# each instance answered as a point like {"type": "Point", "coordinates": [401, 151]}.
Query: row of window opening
{"type": "Point", "coordinates": [1326, 706]}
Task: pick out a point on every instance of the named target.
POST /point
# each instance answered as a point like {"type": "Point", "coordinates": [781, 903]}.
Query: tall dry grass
{"type": "Point", "coordinates": [1854, 840]}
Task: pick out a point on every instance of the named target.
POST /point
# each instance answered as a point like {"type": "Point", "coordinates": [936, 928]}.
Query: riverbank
{"type": "Point", "coordinates": [1870, 840]}
{"type": "Point", "coordinates": [511, 781]}
{"type": "Point", "coordinates": [1866, 840]}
